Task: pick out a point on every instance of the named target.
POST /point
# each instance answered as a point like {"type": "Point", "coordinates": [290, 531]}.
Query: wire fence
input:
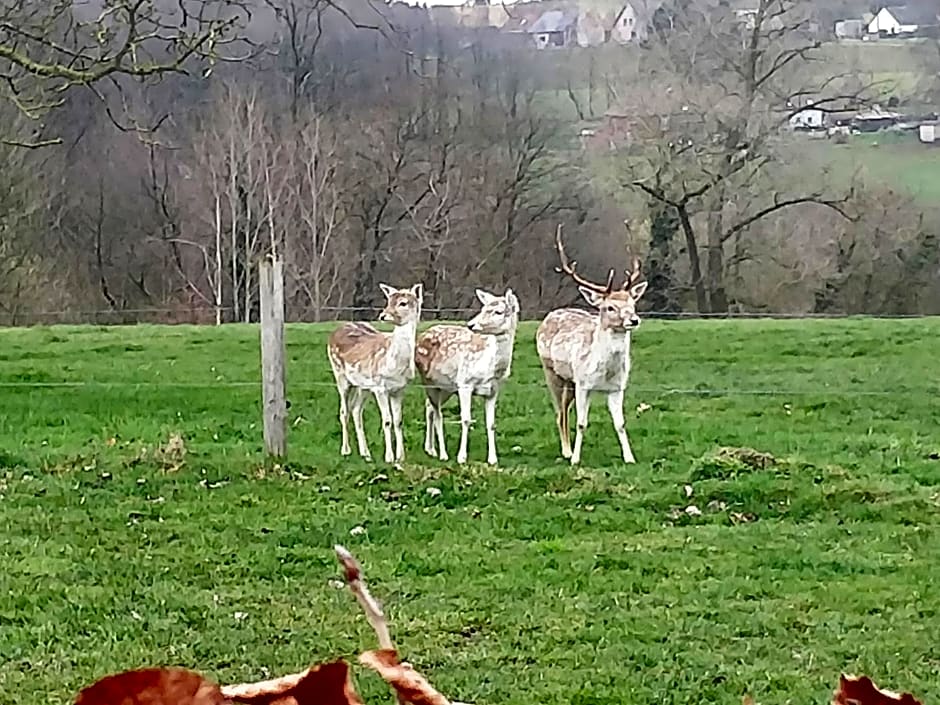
{"type": "Point", "coordinates": [508, 386]}
{"type": "Point", "coordinates": [523, 378]}
{"type": "Point", "coordinates": [207, 315]}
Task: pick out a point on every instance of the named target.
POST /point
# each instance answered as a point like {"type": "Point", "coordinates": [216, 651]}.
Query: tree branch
{"type": "Point", "coordinates": [838, 205]}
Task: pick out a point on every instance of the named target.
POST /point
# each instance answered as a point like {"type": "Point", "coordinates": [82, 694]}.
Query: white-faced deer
{"type": "Point", "coordinates": [583, 352]}
{"type": "Point", "coordinates": [467, 360]}
{"type": "Point", "coordinates": [366, 360]}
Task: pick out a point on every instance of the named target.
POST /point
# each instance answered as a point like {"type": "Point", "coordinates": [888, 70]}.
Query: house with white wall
{"type": "Point", "coordinates": [631, 24]}
{"type": "Point", "coordinates": [902, 19]}
{"type": "Point", "coordinates": [808, 119]}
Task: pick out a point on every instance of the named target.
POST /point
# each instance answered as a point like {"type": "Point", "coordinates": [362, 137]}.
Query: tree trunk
{"type": "Point", "coordinates": [717, 296]}
{"type": "Point", "coordinates": [664, 226]}
{"type": "Point", "coordinates": [695, 264]}
{"type": "Point", "coordinates": [365, 278]}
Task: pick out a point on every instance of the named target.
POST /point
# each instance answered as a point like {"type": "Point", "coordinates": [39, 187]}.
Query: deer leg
{"type": "Point", "coordinates": [394, 402]}
{"type": "Point", "coordinates": [615, 406]}
{"type": "Point", "coordinates": [429, 427]}
{"type": "Point", "coordinates": [342, 386]}
{"type": "Point", "coordinates": [564, 418]}
{"type": "Point", "coordinates": [582, 403]}
{"type": "Point", "coordinates": [490, 406]}
{"type": "Point", "coordinates": [357, 400]}
{"type": "Point", "coordinates": [465, 395]}
{"type": "Point", "coordinates": [381, 398]}
{"type": "Point", "coordinates": [557, 387]}
{"type": "Point", "coordinates": [439, 423]}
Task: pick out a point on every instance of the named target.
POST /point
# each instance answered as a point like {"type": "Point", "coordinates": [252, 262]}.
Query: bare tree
{"type": "Point", "coordinates": [26, 204]}
{"type": "Point", "coordinates": [315, 241]}
{"type": "Point", "coordinates": [726, 85]}
{"type": "Point", "coordinates": [49, 48]}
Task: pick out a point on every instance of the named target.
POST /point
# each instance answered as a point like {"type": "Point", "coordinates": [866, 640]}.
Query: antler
{"type": "Point", "coordinates": [568, 267]}
{"type": "Point", "coordinates": [633, 274]}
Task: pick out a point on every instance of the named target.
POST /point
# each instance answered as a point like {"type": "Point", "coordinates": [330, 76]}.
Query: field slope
{"type": "Point", "coordinates": [531, 583]}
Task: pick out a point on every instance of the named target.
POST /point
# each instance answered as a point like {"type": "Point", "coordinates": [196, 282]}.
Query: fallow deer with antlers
{"type": "Point", "coordinates": [467, 360]}
{"type": "Point", "coordinates": [583, 353]}
{"type": "Point", "coordinates": [366, 360]}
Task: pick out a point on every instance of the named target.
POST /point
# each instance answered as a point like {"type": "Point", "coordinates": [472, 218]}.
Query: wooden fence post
{"type": "Point", "coordinates": [271, 280]}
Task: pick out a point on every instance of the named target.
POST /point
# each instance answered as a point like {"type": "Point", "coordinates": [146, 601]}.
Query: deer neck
{"type": "Point", "coordinates": [504, 344]}
{"type": "Point", "coordinates": [401, 349]}
{"type": "Point", "coordinates": [608, 342]}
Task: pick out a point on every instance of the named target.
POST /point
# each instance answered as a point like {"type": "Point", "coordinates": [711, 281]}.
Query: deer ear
{"type": "Point", "coordinates": [485, 297]}
{"type": "Point", "coordinates": [510, 297]}
{"type": "Point", "coordinates": [387, 290]}
{"type": "Point", "coordinates": [418, 291]}
{"type": "Point", "coordinates": [591, 296]}
{"type": "Point", "coordinates": [638, 289]}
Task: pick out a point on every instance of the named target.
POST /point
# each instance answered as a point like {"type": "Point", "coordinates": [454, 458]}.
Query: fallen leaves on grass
{"type": "Point", "coordinates": [727, 463]}
{"type": "Point", "coordinates": [741, 517]}
{"type": "Point", "coordinates": [326, 684]}
{"type": "Point", "coordinates": [152, 686]}
{"type": "Point", "coordinates": [172, 455]}
{"type": "Point", "coordinates": [323, 684]}
{"type": "Point", "coordinates": [861, 690]}
{"type": "Point", "coordinates": [410, 685]}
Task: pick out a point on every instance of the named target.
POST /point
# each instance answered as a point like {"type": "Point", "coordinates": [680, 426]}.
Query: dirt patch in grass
{"type": "Point", "coordinates": [728, 463]}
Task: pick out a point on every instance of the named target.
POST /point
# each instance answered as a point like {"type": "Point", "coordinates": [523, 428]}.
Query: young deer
{"type": "Point", "coordinates": [465, 361]}
{"type": "Point", "coordinates": [366, 360]}
{"type": "Point", "coordinates": [583, 353]}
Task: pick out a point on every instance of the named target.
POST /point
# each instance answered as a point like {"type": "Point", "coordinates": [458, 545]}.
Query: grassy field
{"type": "Point", "coordinates": [530, 583]}
{"type": "Point", "coordinates": [898, 161]}
{"type": "Point", "coordinates": [899, 68]}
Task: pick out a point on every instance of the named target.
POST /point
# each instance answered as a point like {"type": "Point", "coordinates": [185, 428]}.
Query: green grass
{"type": "Point", "coordinates": [896, 161]}
{"type": "Point", "coordinates": [530, 583]}
{"type": "Point", "coordinates": [891, 160]}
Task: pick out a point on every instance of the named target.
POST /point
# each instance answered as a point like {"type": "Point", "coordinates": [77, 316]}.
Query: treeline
{"type": "Point", "coordinates": [367, 144]}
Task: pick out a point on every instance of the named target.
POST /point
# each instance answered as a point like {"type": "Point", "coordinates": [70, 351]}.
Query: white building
{"type": "Point", "coordinates": [850, 29]}
{"type": "Point", "coordinates": [808, 119]}
{"type": "Point", "coordinates": [901, 19]}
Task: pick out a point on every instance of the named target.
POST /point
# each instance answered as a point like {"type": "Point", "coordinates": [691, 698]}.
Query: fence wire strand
{"type": "Point", "coordinates": [510, 384]}
{"type": "Point", "coordinates": [822, 391]}
{"type": "Point", "coordinates": [458, 311]}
